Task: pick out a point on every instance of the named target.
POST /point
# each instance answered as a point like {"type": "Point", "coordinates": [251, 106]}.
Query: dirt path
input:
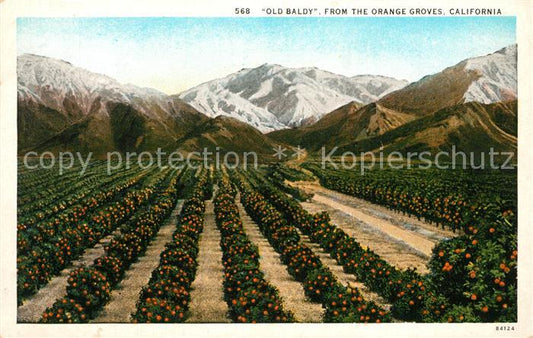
{"type": "Point", "coordinates": [207, 295]}
{"type": "Point", "coordinates": [410, 238]}
{"type": "Point", "coordinates": [390, 249]}
{"type": "Point", "coordinates": [401, 240]}
{"type": "Point", "coordinates": [429, 231]}
{"type": "Point", "coordinates": [32, 309]}
{"type": "Point", "coordinates": [290, 290]}
{"type": "Point", "coordinates": [124, 297]}
{"type": "Point", "coordinates": [343, 277]}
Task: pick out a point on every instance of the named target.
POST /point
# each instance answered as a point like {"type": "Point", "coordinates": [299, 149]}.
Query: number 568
{"type": "Point", "coordinates": [242, 10]}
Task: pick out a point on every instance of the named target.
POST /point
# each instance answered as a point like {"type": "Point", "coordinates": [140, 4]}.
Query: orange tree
{"type": "Point", "coordinates": [476, 272]}
{"type": "Point", "coordinates": [72, 231]}
{"type": "Point", "coordinates": [472, 277]}
{"type": "Point", "coordinates": [166, 297]}
{"type": "Point", "coordinates": [250, 298]}
{"type": "Point", "coordinates": [342, 304]}
{"type": "Point", "coordinates": [124, 248]}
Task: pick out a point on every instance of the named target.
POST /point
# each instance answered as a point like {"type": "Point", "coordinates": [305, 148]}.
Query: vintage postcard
{"type": "Point", "coordinates": [234, 169]}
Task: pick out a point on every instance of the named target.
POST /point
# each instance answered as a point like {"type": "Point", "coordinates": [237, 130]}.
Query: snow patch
{"type": "Point", "coordinates": [498, 77]}
{"type": "Point", "coordinates": [273, 97]}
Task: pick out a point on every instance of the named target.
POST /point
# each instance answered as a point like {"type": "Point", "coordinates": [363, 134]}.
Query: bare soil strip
{"type": "Point", "coordinates": [412, 239]}
{"type": "Point", "coordinates": [32, 309]}
{"type": "Point", "coordinates": [124, 297]}
{"type": "Point", "coordinates": [416, 239]}
{"type": "Point", "coordinates": [290, 290]}
{"type": "Point", "coordinates": [207, 295]}
{"type": "Point", "coordinates": [343, 277]}
{"type": "Point", "coordinates": [389, 248]}
{"type": "Point", "coordinates": [411, 223]}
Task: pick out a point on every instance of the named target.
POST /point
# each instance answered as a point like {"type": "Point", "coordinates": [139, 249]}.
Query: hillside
{"type": "Point", "coordinates": [470, 127]}
{"type": "Point", "coordinates": [63, 107]}
{"type": "Point", "coordinates": [485, 79]}
{"type": "Point", "coordinates": [224, 134]}
{"type": "Point", "coordinates": [273, 97]}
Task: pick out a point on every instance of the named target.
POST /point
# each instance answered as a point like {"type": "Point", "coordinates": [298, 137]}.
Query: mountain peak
{"type": "Point", "coordinates": [485, 79]}
{"type": "Point", "coordinates": [35, 72]}
{"type": "Point", "coordinates": [62, 106]}
{"type": "Point", "coordinates": [497, 76]}
{"type": "Point", "coordinates": [272, 97]}
{"type": "Point", "coordinates": [42, 58]}
{"type": "Point", "coordinates": [509, 50]}
{"type": "Point", "coordinates": [270, 65]}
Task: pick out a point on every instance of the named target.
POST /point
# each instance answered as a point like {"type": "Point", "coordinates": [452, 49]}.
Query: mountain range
{"type": "Point", "coordinates": [272, 97]}
{"type": "Point", "coordinates": [65, 107]}
{"type": "Point", "coordinates": [435, 110]}
{"type": "Point", "coordinates": [471, 104]}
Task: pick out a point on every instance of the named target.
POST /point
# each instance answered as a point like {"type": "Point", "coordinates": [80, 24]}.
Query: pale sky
{"type": "Point", "coordinates": [174, 54]}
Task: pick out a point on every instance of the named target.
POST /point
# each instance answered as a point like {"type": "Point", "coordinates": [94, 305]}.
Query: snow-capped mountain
{"type": "Point", "coordinates": [272, 97]}
{"type": "Point", "coordinates": [63, 106]}
{"type": "Point", "coordinates": [471, 105]}
{"type": "Point", "coordinates": [497, 77]}
{"type": "Point", "coordinates": [484, 79]}
{"type": "Point", "coordinates": [50, 82]}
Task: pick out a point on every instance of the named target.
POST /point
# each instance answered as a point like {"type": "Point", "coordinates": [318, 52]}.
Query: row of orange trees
{"type": "Point", "coordinates": [40, 229]}
{"type": "Point", "coordinates": [451, 198]}
{"type": "Point", "coordinates": [166, 298]}
{"type": "Point", "coordinates": [405, 290]}
{"type": "Point", "coordinates": [41, 211]}
{"type": "Point", "coordinates": [472, 277]}
{"type": "Point", "coordinates": [342, 304]}
{"type": "Point", "coordinates": [62, 240]}
{"type": "Point", "coordinates": [250, 298]}
{"type": "Point", "coordinates": [34, 201]}
{"type": "Point", "coordinates": [39, 178]}
{"type": "Point", "coordinates": [89, 288]}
